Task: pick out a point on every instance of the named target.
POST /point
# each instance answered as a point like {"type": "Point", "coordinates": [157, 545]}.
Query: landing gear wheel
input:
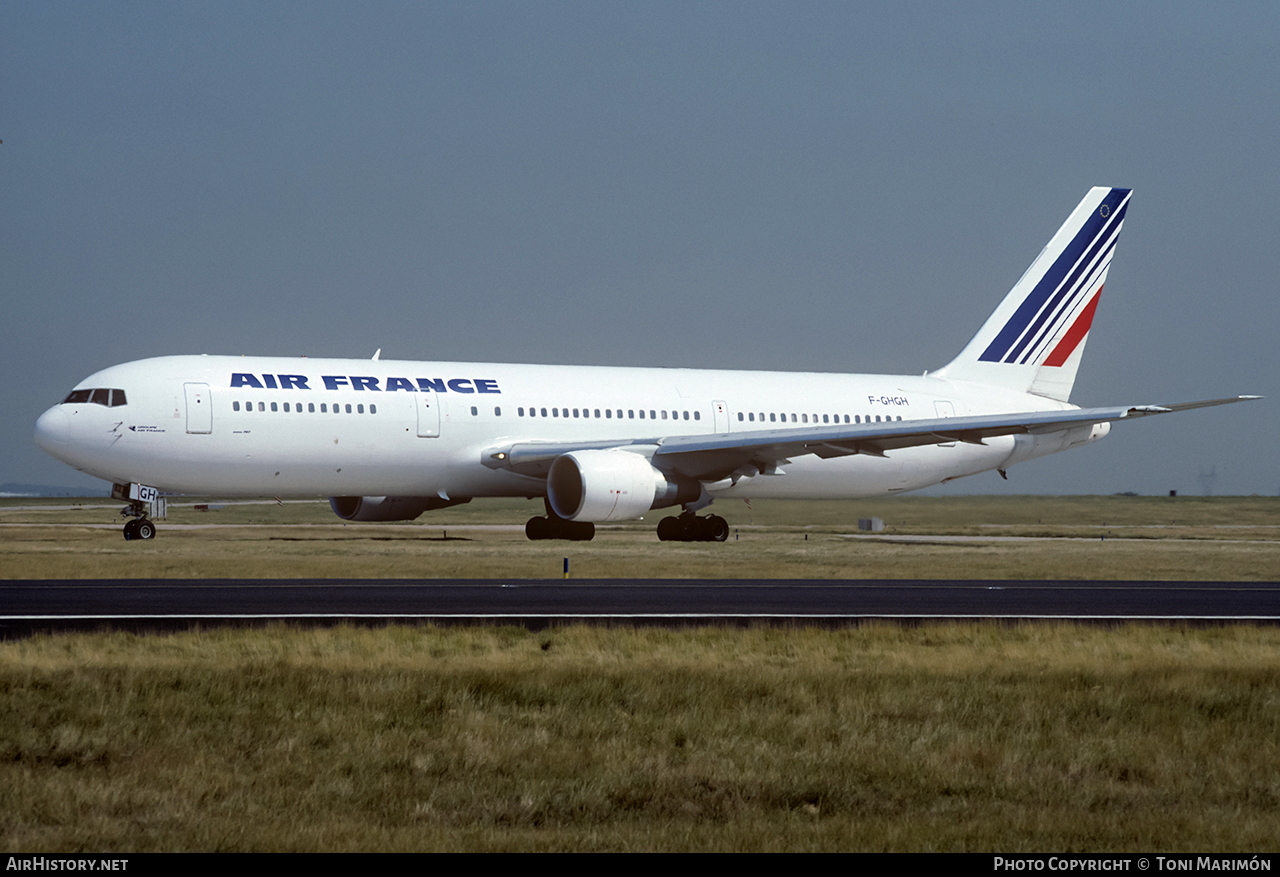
{"type": "Point", "coordinates": [579, 531]}
{"type": "Point", "coordinates": [559, 528]}
{"type": "Point", "coordinates": [144, 529]}
{"type": "Point", "coordinates": [715, 528]}
{"type": "Point", "coordinates": [691, 529]}
{"type": "Point", "coordinates": [668, 530]}
{"type": "Point", "coordinates": [688, 527]}
{"type": "Point", "coordinates": [131, 530]}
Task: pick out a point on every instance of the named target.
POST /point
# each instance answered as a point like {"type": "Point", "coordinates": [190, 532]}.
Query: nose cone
{"type": "Point", "coordinates": [53, 431]}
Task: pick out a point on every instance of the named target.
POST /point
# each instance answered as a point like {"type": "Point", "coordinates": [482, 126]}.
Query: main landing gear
{"type": "Point", "coordinates": [555, 527]}
{"type": "Point", "coordinates": [688, 527]}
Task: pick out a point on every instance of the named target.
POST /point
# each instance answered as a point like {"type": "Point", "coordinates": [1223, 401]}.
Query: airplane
{"type": "Point", "coordinates": [388, 440]}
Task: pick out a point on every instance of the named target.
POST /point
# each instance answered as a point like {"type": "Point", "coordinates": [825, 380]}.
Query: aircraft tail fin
{"type": "Point", "coordinates": [1034, 340]}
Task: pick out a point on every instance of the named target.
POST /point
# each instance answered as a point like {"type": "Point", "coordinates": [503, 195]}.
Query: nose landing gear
{"type": "Point", "coordinates": [139, 528]}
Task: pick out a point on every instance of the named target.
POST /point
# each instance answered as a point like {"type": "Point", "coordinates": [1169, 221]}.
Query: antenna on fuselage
{"type": "Point", "coordinates": [377, 353]}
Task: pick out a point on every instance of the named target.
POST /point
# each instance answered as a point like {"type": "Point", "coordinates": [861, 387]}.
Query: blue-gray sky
{"type": "Point", "coordinates": [791, 186]}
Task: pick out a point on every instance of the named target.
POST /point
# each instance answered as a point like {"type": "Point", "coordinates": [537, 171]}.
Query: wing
{"type": "Point", "coordinates": [713, 457]}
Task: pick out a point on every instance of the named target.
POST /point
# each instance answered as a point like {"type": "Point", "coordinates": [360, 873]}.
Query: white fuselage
{"type": "Point", "coordinates": [338, 427]}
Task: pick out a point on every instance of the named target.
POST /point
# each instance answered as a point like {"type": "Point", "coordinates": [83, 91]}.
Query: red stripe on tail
{"type": "Point", "coordinates": [1075, 334]}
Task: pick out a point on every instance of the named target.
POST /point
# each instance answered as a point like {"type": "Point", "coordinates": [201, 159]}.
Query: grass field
{"type": "Point", "coordinates": [979, 737]}
{"type": "Point", "coordinates": [942, 737]}
{"type": "Point", "coordinates": [1153, 538]}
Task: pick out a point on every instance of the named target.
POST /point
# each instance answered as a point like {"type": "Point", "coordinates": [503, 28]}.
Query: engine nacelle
{"type": "Point", "coordinates": [1029, 447]}
{"type": "Point", "coordinates": [612, 485]}
{"type": "Point", "coordinates": [387, 508]}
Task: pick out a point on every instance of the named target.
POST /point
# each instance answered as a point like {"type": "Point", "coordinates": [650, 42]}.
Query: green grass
{"type": "Point", "coordinates": [941, 737]}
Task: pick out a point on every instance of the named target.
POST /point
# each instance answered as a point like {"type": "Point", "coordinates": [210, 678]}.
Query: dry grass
{"type": "Point", "coordinates": [947, 737]}
{"type": "Point", "coordinates": [1188, 539]}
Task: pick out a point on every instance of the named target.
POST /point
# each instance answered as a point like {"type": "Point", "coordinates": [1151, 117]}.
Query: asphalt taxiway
{"type": "Point", "coordinates": [28, 606]}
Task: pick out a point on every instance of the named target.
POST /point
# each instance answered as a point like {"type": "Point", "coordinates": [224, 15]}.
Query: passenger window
{"type": "Point", "coordinates": [324, 409]}
{"type": "Point", "coordinates": [235, 406]}
{"type": "Point", "coordinates": [273, 407]}
{"type": "Point", "coordinates": [497, 411]}
{"type": "Point", "coordinates": [739, 416]}
{"type": "Point", "coordinates": [597, 412]}
{"type": "Point", "coordinates": [520, 412]}
{"type": "Point", "coordinates": [286, 408]}
{"type": "Point", "coordinates": [348, 406]}
{"type": "Point", "coordinates": [555, 412]}
{"type": "Point", "coordinates": [653, 415]}
{"type": "Point", "coordinates": [664, 414]}
{"type": "Point", "coordinates": [773, 418]}
{"type": "Point", "coordinates": [686, 415]}
{"type": "Point", "coordinates": [824, 418]}
{"type": "Point", "coordinates": [359, 409]}
{"type": "Point", "coordinates": [575, 412]}
{"type": "Point", "coordinates": [752, 417]}
{"type": "Point", "coordinates": [311, 407]}
{"type": "Point", "coordinates": [262, 406]}
{"type": "Point", "coordinates": [642, 414]}
{"type": "Point", "coordinates": [474, 411]}
{"type": "Point", "coordinates": [373, 409]}
{"type": "Point", "coordinates": [544, 412]}
{"type": "Point", "coordinates": [697, 415]}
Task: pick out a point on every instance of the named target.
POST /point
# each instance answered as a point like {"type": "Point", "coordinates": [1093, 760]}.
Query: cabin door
{"type": "Point", "coordinates": [199, 409]}
{"type": "Point", "coordinates": [428, 414]}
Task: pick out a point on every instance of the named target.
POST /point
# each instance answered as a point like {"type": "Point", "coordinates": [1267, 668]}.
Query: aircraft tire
{"type": "Point", "coordinates": [668, 530]}
{"type": "Point", "coordinates": [535, 529]}
{"type": "Point", "coordinates": [715, 528]}
{"type": "Point", "coordinates": [690, 528]}
{"type": "Point", "coordinates": [144, 529]}
{"type": "Point", "coordinates": [131, 530]}
{"type": "Point", "coordinates": [579, 531]}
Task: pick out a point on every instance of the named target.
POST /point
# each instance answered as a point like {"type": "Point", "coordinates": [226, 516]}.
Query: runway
{"type": "Point", "coordinates": [143, 605]}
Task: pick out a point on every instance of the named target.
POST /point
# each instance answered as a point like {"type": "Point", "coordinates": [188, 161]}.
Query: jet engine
{"type": "Point", "coordinates": [612, 485]}
{"type": "Point", "coordinates": [387, 508]}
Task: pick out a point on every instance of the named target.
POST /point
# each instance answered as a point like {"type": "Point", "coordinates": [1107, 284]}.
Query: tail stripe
{"type": "Point", "coordinates": [1079, 292]}
{"type": "Point", "coordinates": [1097, 233]}
{"type": "Point", "coordinates": [1082, 279]}
{"type": "Point", "coordinates": [1075, 334]}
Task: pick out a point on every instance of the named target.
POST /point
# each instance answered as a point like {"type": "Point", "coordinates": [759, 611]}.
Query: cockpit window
{"type": "Point", "coordinates": [108, 398]}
